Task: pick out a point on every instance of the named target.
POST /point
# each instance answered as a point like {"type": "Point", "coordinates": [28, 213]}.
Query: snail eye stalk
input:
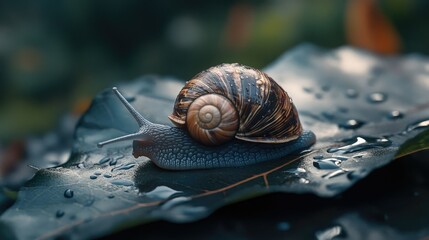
{"type": "Point", "coordinates": [141, 121]}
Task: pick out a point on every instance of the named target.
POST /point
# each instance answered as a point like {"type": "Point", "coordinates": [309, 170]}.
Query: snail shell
{"type": "Point", "coordinates": [233, 100]}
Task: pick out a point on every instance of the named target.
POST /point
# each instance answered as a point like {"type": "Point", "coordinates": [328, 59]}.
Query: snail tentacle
{"type": "Point", "coordinates": [144, 124]}
{"type": "Point", "coordinates": [141, 121]}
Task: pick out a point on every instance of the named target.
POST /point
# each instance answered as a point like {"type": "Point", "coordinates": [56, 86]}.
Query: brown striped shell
{"type": "Point", "coordinates": [233, 100]}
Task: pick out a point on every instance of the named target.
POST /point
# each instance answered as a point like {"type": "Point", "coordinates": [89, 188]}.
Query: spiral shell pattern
{"type": "Point", "coordinates": [266, 112]}
{"type": "Point", "coordinates": [212, 119]}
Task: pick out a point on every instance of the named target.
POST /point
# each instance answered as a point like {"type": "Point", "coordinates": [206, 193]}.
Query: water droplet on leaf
{"type": "Point", "coordinates": [334, 174]}
{"type": "Point", "coordinates": [351, 93]}
{"type": "Point", "coordinates": [330, 233]}
{"type": "Point", "coordinates": [59, 213]}
{"type": "Point", "coordinates": [296, 171]}
{"type": "Point", "coordinates": [328, 163]}
{"type": "Point", "coordinates": [104, 160]}
{"type": "Point", "coordinates": [124, 167]}
{"type": "Point", "coordinates": [161, 193]}
{"type": "Point", "coordinates": [361, 143]}
{"type": "Point", "coordinates": [115, 160]}
{"type": "Point", "coordinates": [68, 193]}
{"type": "Point", "coordinates": [304, 181]}
{"type": "Point", "coordinates": [122, 182]}
{"type": "Point", "coordinates": [417, 125]}
{"type": "Point", "coordinates": [377, 97]}
{"type": "Point", "coordinates": [352, 124]}
{"type": "Point", "coordinates": [395, 115]}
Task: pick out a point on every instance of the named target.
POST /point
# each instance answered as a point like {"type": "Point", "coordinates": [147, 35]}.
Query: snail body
{"type": "Point", "coordinates": [227, 116]}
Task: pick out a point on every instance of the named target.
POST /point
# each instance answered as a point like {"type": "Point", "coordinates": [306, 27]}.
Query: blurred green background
{"type": "Point", "coordinates": [56, 55]}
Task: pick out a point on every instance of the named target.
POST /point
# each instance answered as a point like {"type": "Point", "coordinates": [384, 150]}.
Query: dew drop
{"type": "Point", "coordinates": [351, 93]}
{"type": "Point", "coordinates": [395, 115]}
{"type": "Point", "coordinates": [352, 124]}
{"type": "Point", "coordinates": [122, 182]}
{"type": "Point", "coordinates": [304, 181]}
{"type": "Point", "coordinates": [124, 167]}
{"type": "Point", "coordinates": [329, 163]}
{"type": "Point", "coordinates": [377, 97]}
{"type": "Point", "coordinates": [93, 177]}
{"type": "Point", "coordinates": [68, 193]}
{"type": "Point", "coordinates": [59, 213]}
{"type": "Point", "coordinates": [330, 233]}
{"type": "Point", "coordinates": [342, 158]}
{"type": "Point", "coordinates": [162, 193]}
{"type": "Point", "coordinates": [111, 196]}
{"type": "Point", "coordinates": [80, 165]}
{"type": "Point", "coordinates": [113, 162]}
{"type": "Point", "coordinates": [104, 160]}
{"type": "Point", "coordinates": [107, 175]}
{"type": "Point", "coordinates": [334, 174]}
{"type": "Point", "coordinates": [296, 171]}
{"type": "Point", "coordinates": [98, 173]}
{"type": "Point", "coordinates": [361, 143]}
{"type": "Point", "coordinates": [417, 125]}
{"type": "Point", "coordinates": [318, 157]}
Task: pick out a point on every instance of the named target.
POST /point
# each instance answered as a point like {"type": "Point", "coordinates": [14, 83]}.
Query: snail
{"type": "Point", "coordinates": [230, 115]}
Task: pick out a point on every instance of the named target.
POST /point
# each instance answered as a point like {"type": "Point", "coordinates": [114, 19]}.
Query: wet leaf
{"type": "Point", "coordinates": [390, 203]}
{"type": "Point", "coordinates": [418, 143]}
{"type": "Point", "coordinates": [361, 107]}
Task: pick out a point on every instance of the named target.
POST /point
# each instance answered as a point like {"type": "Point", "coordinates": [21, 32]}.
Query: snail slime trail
{"type": "Point", "coordinates": [227, 116]}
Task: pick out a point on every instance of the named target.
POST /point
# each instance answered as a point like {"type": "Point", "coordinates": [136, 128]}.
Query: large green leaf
{"type": "Point", "coordinates": [347, 97]}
